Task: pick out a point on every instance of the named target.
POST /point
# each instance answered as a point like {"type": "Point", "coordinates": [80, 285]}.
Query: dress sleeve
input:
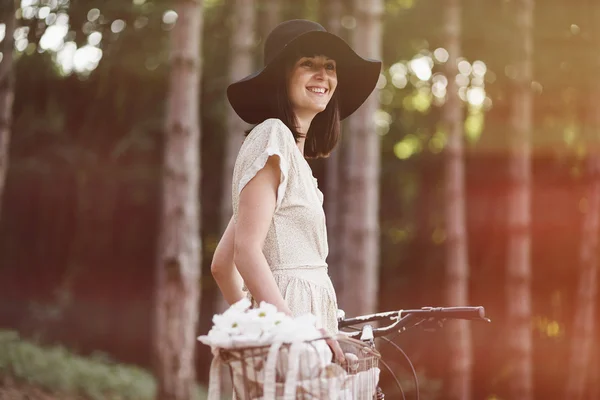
{"type": "Point", "coordinates": [271, 138]}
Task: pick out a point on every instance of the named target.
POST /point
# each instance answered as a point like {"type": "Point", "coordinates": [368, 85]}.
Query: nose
{"type": "Point", "coordinates": [320, 72]}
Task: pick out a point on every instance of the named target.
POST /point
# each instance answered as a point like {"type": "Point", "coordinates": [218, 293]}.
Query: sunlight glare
{"type": "Point", "coordinates": [476, 96]}
{"type": "Point", "coordinates": [464, 67]}
{"type": "Point", "coordinates": [462, 93]}
{"type": "Point", "coordinates": [51, 19]}
{"type": "Point", "coordinates": [28, 12]}
{"type": "Point", "coordinates": [398, 72]}
{"type": "Point", "coordinates": [62, 19]}
{"type": "Point", "coordinates": [169, 17]}
{"type": "Point", "coordinates": [93, 14]}
{"type": "Point", "coordinates": [421, 67]}
{"type": "Point", "coordinates": [386, 97]}
{"type": "Point", "coordinates": [398, 68]}
{"type": "Point", "coordinates": [437, 142]}
{"type": "Point", "coordinates": [399, 81]}
{"type": "Point", "coordinates": [94, 38]}
{"type": "Point", "coordinates": [441, 54]}
{"type": "Point", "coordinates": [43, 12]}
{"type": "Point", "coordinates": [408, 146]}
{"type": "Point", "coordinates": [117, 26]}
{"type": "Point", "coordinates": [86, 58]}
{"type": "Point", "coordinates": [382, 121]}
{"type": "Point", "coordinates": [21, 44]}
{"type": "Point", "coordinates": [474, 126]}
{"type": "Point", "coordinates": [21, 32]}
{"type": "Point", "coordinates": [441, 78]}
{"type": "Point", "coordinates": [477, 81]}
{"type": "Point", "coordinates": [381, 82]}
{"type": "Point", "coordinates": [2, 31]}
{"type": "Point", "coordinates": [421, 101]}
{"type": "Point", "coordinates": [462, 80]}
{"type": "Point", "coordinates": [64, 57]}
{"type": "Point", "coordinates": [438, 89]}
{"type": "Point", "coordinates": [53, 37]}
{"type": "Point", "coordinates": [479, 68]}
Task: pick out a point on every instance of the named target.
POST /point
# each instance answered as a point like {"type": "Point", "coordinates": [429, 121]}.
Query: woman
{"type": "Point", "coordinates": [277, 240]}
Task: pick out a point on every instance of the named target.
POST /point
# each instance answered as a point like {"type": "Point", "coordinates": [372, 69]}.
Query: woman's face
{"type": "Point", "coordinates": [311, 84]}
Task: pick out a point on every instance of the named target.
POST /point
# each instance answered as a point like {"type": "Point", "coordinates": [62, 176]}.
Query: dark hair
{"type": "Point", "coordinates": [324, 131]}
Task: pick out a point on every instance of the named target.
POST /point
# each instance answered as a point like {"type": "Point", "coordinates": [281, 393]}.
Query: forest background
{"type": "Point", "coordinates": [501, 207]}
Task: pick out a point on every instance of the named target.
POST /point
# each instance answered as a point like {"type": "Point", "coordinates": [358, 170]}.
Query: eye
{"type": "Point", "coordinates": [330, 66]}
{"type": "Point", "coordinates": [307, 63]}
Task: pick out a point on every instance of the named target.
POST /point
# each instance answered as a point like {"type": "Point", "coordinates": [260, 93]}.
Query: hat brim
{"type": "Point", "coordinates": [357, 77]}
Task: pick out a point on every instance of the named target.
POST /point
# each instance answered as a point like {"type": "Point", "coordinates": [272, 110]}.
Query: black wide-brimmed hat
{"type": "Point", "coordinates": [357, 76]}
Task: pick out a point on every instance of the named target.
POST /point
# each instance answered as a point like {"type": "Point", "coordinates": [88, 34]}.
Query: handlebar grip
{"type": "Point", "coordinates": [458, 312]}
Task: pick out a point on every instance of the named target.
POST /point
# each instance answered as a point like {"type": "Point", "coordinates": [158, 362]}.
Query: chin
{"type": "Point", "coordinates": [320, 107]}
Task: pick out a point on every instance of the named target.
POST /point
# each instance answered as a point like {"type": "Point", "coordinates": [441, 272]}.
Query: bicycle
{"type": "Point", "coordinates": [400, 321]}
{"type": "Point", "coordinates": [307, 369]}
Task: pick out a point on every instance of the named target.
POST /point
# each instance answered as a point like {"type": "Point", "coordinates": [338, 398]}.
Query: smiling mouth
{"type": "Point", "coordinates": [317, 90]}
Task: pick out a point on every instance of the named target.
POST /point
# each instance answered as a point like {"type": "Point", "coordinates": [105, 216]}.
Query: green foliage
{"type": "Point", "coordinates": [60, 371]}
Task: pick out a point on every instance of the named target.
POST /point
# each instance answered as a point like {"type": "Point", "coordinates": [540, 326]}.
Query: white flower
{"type": "Point", "coordinates": [242, 305]}
{"type": "Point", "coordinates": [241, 325]}
{"type": "Point", "coordinates": [227, 323]}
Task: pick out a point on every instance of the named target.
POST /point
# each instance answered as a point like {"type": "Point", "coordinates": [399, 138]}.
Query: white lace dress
{"type": "Point", "coordinates": [296, 243]}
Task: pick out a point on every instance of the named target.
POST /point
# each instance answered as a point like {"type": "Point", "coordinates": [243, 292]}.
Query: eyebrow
{"type": "Point", "coordinates": [315, 56]}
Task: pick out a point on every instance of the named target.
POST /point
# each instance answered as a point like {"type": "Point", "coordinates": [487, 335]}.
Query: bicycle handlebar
{"type": "Point", "coordinates": [404, 317]}
{"type": "Point", "coordinates": [469, 313]}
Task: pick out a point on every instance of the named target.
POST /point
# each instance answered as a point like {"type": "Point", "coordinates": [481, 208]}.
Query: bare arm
{"type": "Point", "coordinates": [223, 269]}
{"type": "Point", "coordinates": [255, 212]}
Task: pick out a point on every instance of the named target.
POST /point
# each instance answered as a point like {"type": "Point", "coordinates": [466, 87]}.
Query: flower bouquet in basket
{"type": "Point", "coordinates": [272, 356]}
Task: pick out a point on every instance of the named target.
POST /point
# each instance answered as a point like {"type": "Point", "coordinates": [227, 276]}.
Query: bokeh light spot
{"type": "Point", "coordinates": [441, 54]}
{"type": "Point", "coordinates": [117, 26]}
{"type": "Point", "coordinates": [169, 17]}
{"type": "Point", "coordinates": [464, 67]}
{"type": "Point", "coordinates": [93, 14]}
{"type": "Point", "coordinates": [575, 29]}
{"type": "Point", "coordinates": [421, 67]}
{"type": "Point", "coordinates": [43, 12]}
{"type": "Point", "coordinates": [479, 68]}
{"type": "Point", "coordinates": [94, 38]}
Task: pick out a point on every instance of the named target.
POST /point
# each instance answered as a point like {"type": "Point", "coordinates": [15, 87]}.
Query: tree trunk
{"type": "Point", "coordinates": [7, 90]}
{"type": "Point", "coordinates": [519, 313]}
{"type": "Point", "coordinates": [457, 264]}
{"type": "Point", "coordinates": [179, 247]}
{"type": "Point", "coordinates": [241, 65]}
{"type": "Point", "coordinates": [333, 195]}
{"type": "Point", "coordinates": [582, 339]}
{"type": "Point", "coordinates": [594, 387]}
{"type": "Point", "coordinates": [583, 326]}
{"type": "Point", "coordinates": [361, 214]}
{"type": "Point", "coordinates": [270, 16]}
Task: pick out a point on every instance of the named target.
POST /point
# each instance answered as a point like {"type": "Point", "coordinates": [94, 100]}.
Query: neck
{"type": "Point", "coordinates": [303, 124]}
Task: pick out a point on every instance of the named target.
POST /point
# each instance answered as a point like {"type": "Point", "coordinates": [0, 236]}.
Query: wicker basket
{"type": "Point", "coordinates": [303, 371]}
